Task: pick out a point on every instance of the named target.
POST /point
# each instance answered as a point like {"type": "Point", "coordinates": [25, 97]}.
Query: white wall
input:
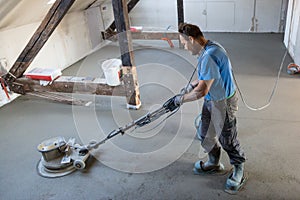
{"type": "Point", "coordinates": [13, 41]}
{"type": "Point", "coordinates": [220, 15]}
{"type": "Point", "coordinates": [292, 33]}
{"type": "Point", "coordinates": [73, 39]}
{"type": "Point", "coordinates": [107, 14]}
{"type": "Point", "coordinates": [155, 14]}
{"type": "Point", "coordinates": [212, 15]}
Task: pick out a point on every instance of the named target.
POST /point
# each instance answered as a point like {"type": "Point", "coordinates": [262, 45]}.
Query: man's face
{"type": "Point", "coordinates": [189, 44]}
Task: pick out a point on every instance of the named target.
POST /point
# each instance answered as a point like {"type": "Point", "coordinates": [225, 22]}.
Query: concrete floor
{"type": "Point", "coordinates": [157, 164]}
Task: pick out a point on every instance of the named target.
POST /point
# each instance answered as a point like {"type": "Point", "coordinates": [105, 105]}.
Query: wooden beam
{"type": "Point", "coordinates": [150, 35]}
{"type": "Point", "coordinates": [127, 57]}
{"type": "Point", "coordinates": [39, 38]}
{"type": "Point", "coordinates": [69, 84]}
{"type": "Point", "coordinates": [180, 16]}
{"type": "Point", "coordinates": [180, 11]}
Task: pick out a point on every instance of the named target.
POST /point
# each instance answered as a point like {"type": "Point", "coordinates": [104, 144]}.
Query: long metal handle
{"type": "Point", "coordinates": [142, 121]}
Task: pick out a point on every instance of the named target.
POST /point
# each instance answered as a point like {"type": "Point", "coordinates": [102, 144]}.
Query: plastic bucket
{"type": "Point", "coordinates": [111, 69]}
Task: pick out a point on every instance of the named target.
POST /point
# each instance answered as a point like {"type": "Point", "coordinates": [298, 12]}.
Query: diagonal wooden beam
{"type": "Point", "coordinates": [109, 32]}
{"type": "Point", "coordinates": [39, 38]}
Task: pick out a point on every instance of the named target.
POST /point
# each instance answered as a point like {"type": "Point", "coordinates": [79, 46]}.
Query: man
{"type": "Point", "coordinates": [216, 84]}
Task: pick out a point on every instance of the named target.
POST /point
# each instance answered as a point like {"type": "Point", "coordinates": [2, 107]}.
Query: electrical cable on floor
{"type": "Point", "coordinates": [278, 75]}
{"type": "Point", "coordinates": [272, 93]}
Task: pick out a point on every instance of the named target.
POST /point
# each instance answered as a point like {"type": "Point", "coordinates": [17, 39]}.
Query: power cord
{"type": "Point", "coordinates": [272, 93]}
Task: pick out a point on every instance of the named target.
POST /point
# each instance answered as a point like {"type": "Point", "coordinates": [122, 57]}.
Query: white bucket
{"type": "Point", "coordinates": [111, 69]}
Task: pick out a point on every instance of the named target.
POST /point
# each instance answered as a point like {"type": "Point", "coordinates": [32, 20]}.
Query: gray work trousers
{"type": "Point", "coordinates": [219, 128]}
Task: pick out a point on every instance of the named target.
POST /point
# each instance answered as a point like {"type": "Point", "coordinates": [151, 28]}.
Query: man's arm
{"type": "Point", "coordinates": [199, 91]}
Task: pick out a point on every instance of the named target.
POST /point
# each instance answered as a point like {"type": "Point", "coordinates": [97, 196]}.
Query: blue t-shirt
{"type": "Point", "coordinates": [213, 63]}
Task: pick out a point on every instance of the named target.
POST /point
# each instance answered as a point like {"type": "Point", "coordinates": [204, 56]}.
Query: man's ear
{"type": "Point", "coordinates": [191, 39]}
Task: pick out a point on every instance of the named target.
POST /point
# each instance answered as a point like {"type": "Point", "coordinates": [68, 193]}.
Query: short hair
{"type": "Point", "coordinates": [187, 30]}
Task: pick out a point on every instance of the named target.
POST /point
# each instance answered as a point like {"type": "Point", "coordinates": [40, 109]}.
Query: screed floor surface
{"type": "Point", "coordinates": [156, 162]}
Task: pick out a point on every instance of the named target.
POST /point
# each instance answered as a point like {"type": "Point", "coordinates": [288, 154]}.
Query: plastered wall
{"type": "Point", "coordinates": [77, 35]}
{"type": "Point", "coordinates": [292, 33]}
{"type": "Point", "coordinates": [213, 15]}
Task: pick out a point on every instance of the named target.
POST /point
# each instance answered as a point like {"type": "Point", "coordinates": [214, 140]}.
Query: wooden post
{"type": "Point", "coordinates": [180, 13]}
{"type": "Point", "coordinates": [39, 38]}
{"type": "Point", "coordinates": [125, 42]}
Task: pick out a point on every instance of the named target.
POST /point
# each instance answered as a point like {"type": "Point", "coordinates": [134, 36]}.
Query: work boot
{"type": "Point", "coordinates": [214, 157]}
{"type": "Point", "coordinates": [238, 172]}
{"type": "Point", "coordinates": [235, 180]}
{"type": "Point", "coordinates": [212, 165]}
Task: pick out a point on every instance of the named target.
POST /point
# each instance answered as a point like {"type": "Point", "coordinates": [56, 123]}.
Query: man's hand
{"type": "Point", "coordinates": [200, 90]}
{"type": "Point", "coordinates": [174, 102]}
{"type": "Point", "coordinates": [187, 89]}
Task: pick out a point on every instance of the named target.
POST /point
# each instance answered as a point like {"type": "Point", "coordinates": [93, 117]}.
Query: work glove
{"type": "Point", "coordinates": [174, 102]}
{"type": "Point", "coordinates": [187, 89]}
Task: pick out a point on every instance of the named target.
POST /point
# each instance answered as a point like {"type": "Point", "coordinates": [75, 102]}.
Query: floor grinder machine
{"type": "Point", "coordinates": [61, 157]}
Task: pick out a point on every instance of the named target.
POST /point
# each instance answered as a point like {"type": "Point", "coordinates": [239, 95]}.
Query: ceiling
{"type": "Point", "coordinates": [14, 13]}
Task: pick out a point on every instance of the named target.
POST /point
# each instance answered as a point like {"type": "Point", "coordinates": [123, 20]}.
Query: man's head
{"type": "Point", "coordinates": [191, 37]}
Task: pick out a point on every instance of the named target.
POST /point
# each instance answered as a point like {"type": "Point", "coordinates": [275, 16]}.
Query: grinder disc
{"type": "Point", "coordinates": [53, 173]}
